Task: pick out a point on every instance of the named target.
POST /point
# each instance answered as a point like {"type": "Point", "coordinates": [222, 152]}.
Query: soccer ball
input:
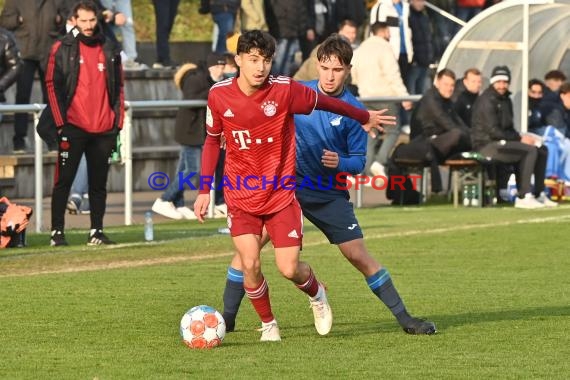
{"type": "Point", "coordinates": [202, 327]}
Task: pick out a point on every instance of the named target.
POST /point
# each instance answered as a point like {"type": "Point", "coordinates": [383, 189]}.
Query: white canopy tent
{"type": "Point", "coordinates": [530, 37]}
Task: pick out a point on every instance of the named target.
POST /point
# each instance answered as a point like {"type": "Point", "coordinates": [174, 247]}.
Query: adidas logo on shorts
{"type": "Point", "coordinates": [293, 234]}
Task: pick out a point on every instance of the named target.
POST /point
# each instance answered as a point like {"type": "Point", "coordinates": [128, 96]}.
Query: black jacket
{"type": "Point", "coordinates": [421, 38]}
{"type": "Point", "coordinates": [287, 18]}
{"type": "Point", "coordinates": [10, 62]}
{"type": "Point", "coordinates": [492, 119]}
{"type": "Point", "coordinates": [63, 72]}
{"type": "Point", "coordinates": [195, 83]}
{"type": "Point", "coordinates": [434, 116]}
{"type": "Point", "coordinates": [35, 23]}
{"type": "Point", "coordinates": [464, 101]}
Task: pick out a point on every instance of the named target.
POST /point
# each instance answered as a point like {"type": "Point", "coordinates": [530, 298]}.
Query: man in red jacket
{"type": "Point", "coordinates": [85, 91]}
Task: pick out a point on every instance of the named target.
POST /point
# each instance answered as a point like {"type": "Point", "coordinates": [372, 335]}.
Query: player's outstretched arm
{"type": "Point", "coordinates": [377, 120]}
{"type": "Point", "coordinates": [370, 120]}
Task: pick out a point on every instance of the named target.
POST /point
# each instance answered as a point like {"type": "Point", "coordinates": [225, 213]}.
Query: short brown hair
{"type": "Point", "coordinates": [555, 74]}
{"type": "Point", "coordinates": [445, 73]}
{"type": "Point", "coordinates": [565, 88]}
{"type": "Point", "coordinates": [473, 71]}
{"type": "Point", "coordinates": [336, 46]}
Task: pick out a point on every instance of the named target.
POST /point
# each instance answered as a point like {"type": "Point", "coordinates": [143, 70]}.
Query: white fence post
{"type": "Point", "coordinates": [128, 160]}
{"type": "Point", "coordinates": [38, 170]}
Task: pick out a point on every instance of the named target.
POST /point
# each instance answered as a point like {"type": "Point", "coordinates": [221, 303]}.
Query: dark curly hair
{"type": "Point", "coordinates": [259, 40]}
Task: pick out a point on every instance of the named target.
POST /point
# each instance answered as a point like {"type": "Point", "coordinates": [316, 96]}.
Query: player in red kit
{"type": "Point", "coordinates": [255, 112]}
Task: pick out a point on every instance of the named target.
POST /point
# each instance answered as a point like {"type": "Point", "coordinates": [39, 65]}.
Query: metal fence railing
{"type": "Point", "coordinates": [127, 158]}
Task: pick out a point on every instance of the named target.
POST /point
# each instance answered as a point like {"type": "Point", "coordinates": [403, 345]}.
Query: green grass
{"type": "Point", "coordinates": [495, 281]}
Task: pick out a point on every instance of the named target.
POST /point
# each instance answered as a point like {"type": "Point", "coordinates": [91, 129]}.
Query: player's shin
{"type": "Point", "coordinates": [259, 297]}
{"type": "Point", "coordinates": [233, 295]}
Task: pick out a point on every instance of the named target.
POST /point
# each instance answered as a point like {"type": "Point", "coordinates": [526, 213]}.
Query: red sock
{"type": "Point", "coordinates": [259, 297]}
{"type": "Point", "coordinates": [311, 286]}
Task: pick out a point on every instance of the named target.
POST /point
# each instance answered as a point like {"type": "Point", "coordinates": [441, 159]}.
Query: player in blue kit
{"type": "Point", "coordinates": [328, 144]}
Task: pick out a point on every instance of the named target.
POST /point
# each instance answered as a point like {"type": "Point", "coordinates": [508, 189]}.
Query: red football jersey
{"type": "Point", "coordinates": [259, 173]}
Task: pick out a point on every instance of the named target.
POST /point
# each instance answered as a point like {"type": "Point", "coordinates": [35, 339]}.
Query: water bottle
{"type": "Point", "coordinates": [475, 195]}
{"type": "Point", "coordinates": [148, 226]}
{"type": "Point", "coordinates": [466, 201]}
{"type": "Point", "coordinates": [512, 188]}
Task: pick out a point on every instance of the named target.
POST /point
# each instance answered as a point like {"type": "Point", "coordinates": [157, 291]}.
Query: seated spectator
{"type": "Point", "coordinates": [557, 114]}
{"type": "Point", "coordinates": [535, 94]}
{"type": "Point", "coordinates": [553, 80]}
{"type": "Point", "coordinates": [493, 135]}
{"type": "Point", "coordinates": [435, 122]}
{"type": "Point", "coordinates": [466, 92]}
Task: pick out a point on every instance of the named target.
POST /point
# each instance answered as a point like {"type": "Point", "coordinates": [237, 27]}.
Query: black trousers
{"type": "Point", "coordinates": [23, 95]}
{"type": "Point", "coordinates": [73, 142]}
{"type": "Point", "coordinates": [165, 13]}
{"type": "Point", "coordinates": [528, 159]}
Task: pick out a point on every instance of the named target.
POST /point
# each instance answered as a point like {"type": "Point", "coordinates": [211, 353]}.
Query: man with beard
{"type": "Point", "coordinates": [85, 91]}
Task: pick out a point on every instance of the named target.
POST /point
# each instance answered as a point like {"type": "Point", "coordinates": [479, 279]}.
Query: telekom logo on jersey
{"type": "Point", "coordinates": [244, 140]}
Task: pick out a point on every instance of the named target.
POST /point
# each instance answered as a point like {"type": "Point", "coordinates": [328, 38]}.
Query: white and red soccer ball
{"type": "Point", "coordinates": [202, 327]}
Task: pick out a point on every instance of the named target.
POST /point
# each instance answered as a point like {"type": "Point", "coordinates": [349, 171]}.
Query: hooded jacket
{"type": "Point", "coordinates": [195, 83]}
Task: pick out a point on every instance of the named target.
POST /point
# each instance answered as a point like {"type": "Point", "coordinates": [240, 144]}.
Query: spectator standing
{"type": "Point", "coordinates": [376, 73]}
{"type": "Point", "coordinates": [308, 70]}
{"type": "Point", "coordinates": [36, 25]}
{"type": "Point", "coordinates": [165, 12]}
{"type": "Point", "coordinates": [467, 9]}
{"type": "Point", "coordinates": [194, 82]}
{"type": "Point", "coordinates": [288, 21]}
{"type": "Point", "coordinates": [252, 15]}
{"type": "Point", "coordinates": [127, 30]}
{"type": "Point", "coordinates": [466, 92]}
{"type": "Point", "coordinates": [396, 13]}
{"type": "Point", "coordinates": [493, 135]}
{"type": "Point", "coordinates": [10, 63]}
{"type": "Point", "coordinates": [87, 102]}
{"type": "Point", "coordinates": [419, 22]}
{"type": "Point", "coordinates": [224, 14]}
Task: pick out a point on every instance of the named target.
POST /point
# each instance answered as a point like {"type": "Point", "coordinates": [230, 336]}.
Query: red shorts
{"type": "Point", "coordinates": [285, 227]}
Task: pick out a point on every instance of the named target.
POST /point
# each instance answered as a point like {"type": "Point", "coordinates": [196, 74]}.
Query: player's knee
{"type": "Point", "coordinates": [251, 265]}
{"type": "Point", "coordinates": [288, 271]}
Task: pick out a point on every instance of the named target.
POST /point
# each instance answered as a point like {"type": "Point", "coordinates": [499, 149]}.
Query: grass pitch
{"type": "Point", "coordinates": [495, 281]}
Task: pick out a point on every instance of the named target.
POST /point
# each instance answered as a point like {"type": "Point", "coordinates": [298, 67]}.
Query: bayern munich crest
{"type": "Point", "coordinates": [269, 108]}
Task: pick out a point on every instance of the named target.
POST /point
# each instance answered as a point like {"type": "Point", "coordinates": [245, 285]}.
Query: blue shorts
{"type": "Point", "coordinates": [333, 216]}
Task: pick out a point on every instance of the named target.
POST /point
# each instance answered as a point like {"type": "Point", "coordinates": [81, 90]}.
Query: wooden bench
{"type": "Point", "coordinates": [7, 176]}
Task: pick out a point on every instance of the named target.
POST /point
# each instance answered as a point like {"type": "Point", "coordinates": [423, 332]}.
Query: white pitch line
{"type": "Point", "coordinates": [180, 259]}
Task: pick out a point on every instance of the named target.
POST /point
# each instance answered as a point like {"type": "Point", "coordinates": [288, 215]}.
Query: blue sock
{"type": "Point", "coordinates": [381, 284]}
{"type": "Point", "coordinates": [233, 294]}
